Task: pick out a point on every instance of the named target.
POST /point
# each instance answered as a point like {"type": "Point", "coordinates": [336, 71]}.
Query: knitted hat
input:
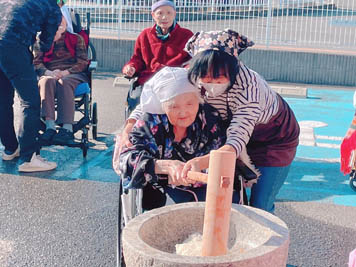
{"type": "Point", "coordinates": [162, 3]}
{"type": "Point", "coordinates": [166, 84]}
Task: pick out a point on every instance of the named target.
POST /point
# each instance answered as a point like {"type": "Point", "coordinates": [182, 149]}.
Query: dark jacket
{"type": "Point", "coordinates": [20, 20]}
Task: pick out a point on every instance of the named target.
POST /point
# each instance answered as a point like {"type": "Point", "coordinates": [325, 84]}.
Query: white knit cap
{"type": "Point", "coordinates": [162, 3]}
{"type": "Point", "coordinates": [166, 84]}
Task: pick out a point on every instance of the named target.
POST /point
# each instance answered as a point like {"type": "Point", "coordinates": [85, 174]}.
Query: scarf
{"type": "Point", "coordinates": [70, 41]}
{"type": "Point", "coordinates": [164, 37]}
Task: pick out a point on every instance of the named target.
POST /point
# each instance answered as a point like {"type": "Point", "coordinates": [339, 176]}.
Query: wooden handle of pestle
{"type": "Point", "coordinates": [198, 176]}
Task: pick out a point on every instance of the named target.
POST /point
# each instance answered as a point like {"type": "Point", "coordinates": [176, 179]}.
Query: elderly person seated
{"type": "Point", "coordinates": [156, 47]}
{"type": "Point", "coordinates": [174, 128]}
{"type": "Point", "coordinates": [60, 71]}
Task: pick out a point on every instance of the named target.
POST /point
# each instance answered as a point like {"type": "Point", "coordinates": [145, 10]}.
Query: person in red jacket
{"type": "Point", "coordinates": [159, 46]}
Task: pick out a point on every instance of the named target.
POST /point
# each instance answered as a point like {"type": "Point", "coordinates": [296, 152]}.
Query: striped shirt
{"type": "Point", "coordinates": [251, 102]}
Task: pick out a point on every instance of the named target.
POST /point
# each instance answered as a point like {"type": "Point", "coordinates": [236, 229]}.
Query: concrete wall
{"type": "Point", "coordinates": [274, 65]}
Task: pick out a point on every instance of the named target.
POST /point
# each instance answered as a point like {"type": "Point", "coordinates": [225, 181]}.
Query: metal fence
{"type": "Point", "coordinates": [322, 24]}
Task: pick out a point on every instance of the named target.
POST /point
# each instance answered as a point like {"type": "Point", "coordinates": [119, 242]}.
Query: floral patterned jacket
{"type": "Point", "coordinates": [153, 138]}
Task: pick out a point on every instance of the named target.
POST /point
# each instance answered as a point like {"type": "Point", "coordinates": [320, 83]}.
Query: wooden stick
{"type": "Point", "coordinates": [198, 176]}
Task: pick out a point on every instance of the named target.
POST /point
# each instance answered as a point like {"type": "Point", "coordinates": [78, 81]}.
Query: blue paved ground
{"type": "Point", "coordinates": [315, 175]}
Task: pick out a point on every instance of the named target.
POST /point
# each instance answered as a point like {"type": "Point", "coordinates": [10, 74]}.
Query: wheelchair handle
{"type": "Point", "coordinates": [198, 176]}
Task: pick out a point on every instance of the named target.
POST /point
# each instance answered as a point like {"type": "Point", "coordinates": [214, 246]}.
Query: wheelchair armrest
{"type": "Point", "coordinates": [245, 171]}
{"type": "Point", "coordinates": [93, 66]}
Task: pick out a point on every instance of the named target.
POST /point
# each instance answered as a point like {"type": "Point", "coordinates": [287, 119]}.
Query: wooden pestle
{"type": "Point", "coordinates": [220, 181]}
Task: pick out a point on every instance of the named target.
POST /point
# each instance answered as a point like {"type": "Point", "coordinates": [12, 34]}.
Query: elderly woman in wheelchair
{"type": "Point", "coordinates": [175, 127]}
{"type": "Point", "coordinates": [60, 71]}
{"type": "Point", "coordinates": [156, 47]}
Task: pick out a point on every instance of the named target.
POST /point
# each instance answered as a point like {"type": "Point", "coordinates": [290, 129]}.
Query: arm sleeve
{"type": "Point", "coordinates": [242, 124]}
{"type": "Point", "coordinates": [38, 60]}
{"type": "Point", "coordinates": [49, 29]}
{"type": "Point", "coordinates": [137, 58]}
{"type": "Point", "coordinates": [137, 163]}
{"type": "Point", "coordinates": [81, 55]}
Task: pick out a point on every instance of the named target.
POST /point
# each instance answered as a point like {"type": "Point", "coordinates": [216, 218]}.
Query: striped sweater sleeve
{"type": "Point", "coordinates": [251, 102]}
{"type": "Point", "coordinates": [246, 110]}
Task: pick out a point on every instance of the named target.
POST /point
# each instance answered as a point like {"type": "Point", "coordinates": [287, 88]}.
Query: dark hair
{"type": "Point", "coordinates": [213, 61]}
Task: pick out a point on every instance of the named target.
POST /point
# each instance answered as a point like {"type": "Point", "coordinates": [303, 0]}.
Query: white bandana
{"type": "Point", "coordinates": [166, 84]}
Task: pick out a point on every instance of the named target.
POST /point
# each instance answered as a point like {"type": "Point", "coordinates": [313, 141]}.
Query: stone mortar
{"type": "Point", "coordinates": [256, 238]}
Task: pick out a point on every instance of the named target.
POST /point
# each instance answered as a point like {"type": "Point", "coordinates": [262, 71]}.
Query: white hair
{"type": "Point", "coordinates": [168, 102]}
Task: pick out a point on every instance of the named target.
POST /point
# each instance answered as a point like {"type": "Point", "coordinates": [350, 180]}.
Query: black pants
{"type": "Point", "coordinates": [17, 73]}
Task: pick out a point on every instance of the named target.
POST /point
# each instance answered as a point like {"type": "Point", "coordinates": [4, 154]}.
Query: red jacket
{"type": "Point", "coordinates": [151, 53]}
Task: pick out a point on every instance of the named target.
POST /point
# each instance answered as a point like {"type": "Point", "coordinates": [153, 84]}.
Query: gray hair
{"type": "Point", "coordinates": [166, 103]}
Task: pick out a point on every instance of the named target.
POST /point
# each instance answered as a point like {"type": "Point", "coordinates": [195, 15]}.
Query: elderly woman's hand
{"type": "Point", "coordinates": [129, 70]}
{"type": "Point", "coordinates": [175, 173]}
{"type": "Point", "coordinates": [125, 141]}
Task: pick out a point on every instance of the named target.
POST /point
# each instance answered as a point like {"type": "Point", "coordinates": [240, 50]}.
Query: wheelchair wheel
{"type": "Point", "coordinates": [353, 180]}
{"type": "Point", "coordinates": [121, 224]}
{"type": "Point", "coordinates": [94, 121]}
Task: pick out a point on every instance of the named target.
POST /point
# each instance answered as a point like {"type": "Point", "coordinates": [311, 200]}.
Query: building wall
{"type": "Point", "coordinates": [274, 65]}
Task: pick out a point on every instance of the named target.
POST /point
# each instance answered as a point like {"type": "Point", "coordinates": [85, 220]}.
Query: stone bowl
{"type": "Point", "coordinates": [256, 238]}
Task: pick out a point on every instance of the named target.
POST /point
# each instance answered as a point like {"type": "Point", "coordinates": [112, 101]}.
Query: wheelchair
{"type": "Point", "coordinates": [84, 104]}
{"type": "Point", "coordinates": [133, 94]}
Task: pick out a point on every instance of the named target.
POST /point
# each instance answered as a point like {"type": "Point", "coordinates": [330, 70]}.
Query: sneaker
{"type": "Point", "coordinates": [63, 137]}
{"type": "Point", "coordinates": [47, 136]}
{"type": "Point", "coordinates": [10, 155]}
{"type": "Point", "coordinates": [46, 161]}
{"type": "Point", "coordinates": [37, 164]}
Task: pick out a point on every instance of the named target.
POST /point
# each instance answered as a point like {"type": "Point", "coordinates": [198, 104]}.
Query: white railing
{"type": "Point", "coordinates": [323, 24]}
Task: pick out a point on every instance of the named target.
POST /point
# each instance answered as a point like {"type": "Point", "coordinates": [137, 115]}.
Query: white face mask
{"type": "Point", "coordinates": [214, 89]}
